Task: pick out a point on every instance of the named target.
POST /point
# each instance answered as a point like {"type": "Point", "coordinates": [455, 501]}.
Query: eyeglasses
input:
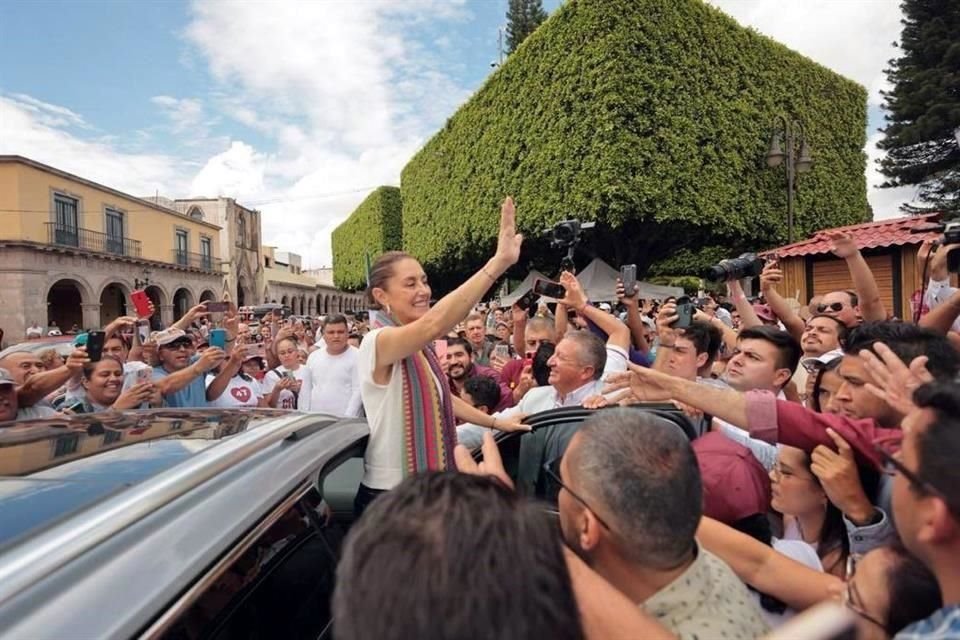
{"type": "Point", "coordinates": [892, 466]}
{"type": "Point", "coordinates": [851, 597]}
{"type": "Point", "coordinates": [177, 346]}
{"type": "Point", "coordinates": [833, 306]}
{"type": "Point", "coordinates": [552, 468]}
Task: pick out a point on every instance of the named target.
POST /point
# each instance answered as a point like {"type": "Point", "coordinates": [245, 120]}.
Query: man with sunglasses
{"type": "Point", "coordinates": [926, 499]}
{"type": "Point", "coordinates": [179, 378]}
{"type": "Point", "coordinates": [842, 305]}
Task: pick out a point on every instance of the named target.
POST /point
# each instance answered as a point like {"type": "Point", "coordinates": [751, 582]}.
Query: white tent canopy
{"type": "Point", "coordinates": [599, 281]}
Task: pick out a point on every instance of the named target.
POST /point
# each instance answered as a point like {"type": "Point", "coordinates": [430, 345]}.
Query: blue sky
{"type": "Point", "coordinates": [298, 108]}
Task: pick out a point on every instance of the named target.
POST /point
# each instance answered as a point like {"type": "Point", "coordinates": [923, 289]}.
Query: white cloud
{"type": "Point", "coordinates": [28, 128]}
{"type": "Point", "coordinates": [50, 115]}
{"type": "Point", "coordinates": [342, 89]}
{"type": "Point", "coordinates": [185, 114]}
{"type": "Point", "coordinates": [236, 173]}
{"type": "Point", "coordinates": [852, 37]}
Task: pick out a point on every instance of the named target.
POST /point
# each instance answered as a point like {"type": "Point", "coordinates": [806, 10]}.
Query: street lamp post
{"type": "Point", "coordinates": [794, 155]}
{"type": "Point", "coordinates": [143, 284]}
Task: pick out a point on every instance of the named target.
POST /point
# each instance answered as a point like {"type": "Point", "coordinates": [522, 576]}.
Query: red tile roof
{"type": "Point", "coordinates": [869, 235]}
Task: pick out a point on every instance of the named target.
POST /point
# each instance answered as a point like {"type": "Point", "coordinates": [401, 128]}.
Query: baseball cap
{"type": "Point", "coordinates": [819, 362]}
{"type": "Point", "coordinates": [5, 378]}
{"type": "Point", "coordinates": [169, 336]}
{"type": "Point", "coordinates": [735, 484]}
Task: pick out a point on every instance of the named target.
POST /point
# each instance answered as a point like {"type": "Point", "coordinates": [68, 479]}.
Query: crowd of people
{"type": "Point", "coordinates": [817, 464]}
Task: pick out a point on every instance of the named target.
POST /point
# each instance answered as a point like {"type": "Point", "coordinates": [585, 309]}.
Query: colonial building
{"type": "Point", "coordinates": [289, 284]}
{"type": "Point", "coordinates": [72, 250]}
{"type": "Point", "coordinates": [239, 242]}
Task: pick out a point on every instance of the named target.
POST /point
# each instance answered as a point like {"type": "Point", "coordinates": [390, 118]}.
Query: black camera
{"type": "Point", "coordinates": [747, 265]}
{"type": "Point", "coordinates": [566, 233]}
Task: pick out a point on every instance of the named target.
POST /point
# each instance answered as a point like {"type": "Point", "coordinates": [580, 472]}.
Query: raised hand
{"type": "Point", "coordinates": [770, 277]}
{"type": "Point", "coordinates": [491, 465]}
{"type": "Point", "coordinates": [842, 244]}
{"type": "Point", "coordinates": [627, 298]}
{"type": "Point", "coordinates": [508, 240]}
{"type": "Point", "coordinates": [77, 358]}
{"type": "Point", "coordinates": [895, 382]}
{"type": "Point", "coordinates": [211, 358]}
{"type": "Point", "coordinates": [575, 298]}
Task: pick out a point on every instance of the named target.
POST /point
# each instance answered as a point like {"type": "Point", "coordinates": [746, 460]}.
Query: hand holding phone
{"type": "Point", "coordinates": [685, 311]}
{"type": "Point", "coordinates": [549, 289]}
{"type": "Point", "coordinates": [141, 302]}
{"type": "Point", "coordinates": [144, 376]}
{"type": "Point", "coordinates": [218, 307]}
{"type": "Point", "coordinates": [218, 338]}
{"type": "Point", "coordinates": [95, 341]}
{"type": "Point", "coordinates": [628, 276]}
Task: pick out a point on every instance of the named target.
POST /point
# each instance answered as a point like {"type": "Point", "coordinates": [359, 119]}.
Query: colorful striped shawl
{"type": "Point", "coordinates": [429, 428]}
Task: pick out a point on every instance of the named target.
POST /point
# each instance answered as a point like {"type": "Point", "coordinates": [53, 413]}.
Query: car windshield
{"type": "Point", "coordinates": [50, 469]}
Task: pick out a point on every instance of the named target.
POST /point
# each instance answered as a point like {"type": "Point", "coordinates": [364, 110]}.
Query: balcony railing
{"type": "Point", "coordinates": [91, 240]}
{"type": "Point", "coordinates": [193, 260]}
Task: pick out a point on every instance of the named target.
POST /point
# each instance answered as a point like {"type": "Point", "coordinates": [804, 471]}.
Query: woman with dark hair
{"type": "Point", "coordinates": [405, 393]}
{"type": "Point", "coordinates": [808, 514]}
{"type": "Point", "coordinates": [103, 384]}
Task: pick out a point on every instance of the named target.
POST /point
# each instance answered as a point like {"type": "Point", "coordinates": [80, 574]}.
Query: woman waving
{"type": "Point", "coordinates": [407, 399]}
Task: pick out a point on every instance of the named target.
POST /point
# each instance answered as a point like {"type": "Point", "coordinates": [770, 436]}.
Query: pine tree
{"type": "Point", "coordinates": [523, 17]}
{"type": "Point", "coordinates": [923, 109]}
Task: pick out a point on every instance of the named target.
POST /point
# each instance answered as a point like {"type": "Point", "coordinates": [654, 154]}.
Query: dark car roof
{"type": "Point", "coordinates": [52, 468]}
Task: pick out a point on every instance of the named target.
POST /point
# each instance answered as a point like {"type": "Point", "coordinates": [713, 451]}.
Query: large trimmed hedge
{"type": "Point", "coordinates": [373, 227]}
{"type": "Point", "coordinates": [651, 117]}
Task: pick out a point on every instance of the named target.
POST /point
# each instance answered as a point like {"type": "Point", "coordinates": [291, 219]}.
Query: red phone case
{"type": "Point", "coordinates": [141, 301]}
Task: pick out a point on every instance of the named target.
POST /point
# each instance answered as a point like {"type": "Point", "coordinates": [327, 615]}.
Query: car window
{"type": "Point", "coordinates": [279, 587]}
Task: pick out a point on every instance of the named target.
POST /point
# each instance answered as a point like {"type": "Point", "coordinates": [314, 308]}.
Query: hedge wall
{"type": "Point", "coordinates": [374, 227]}
{"type": "Point", "coordinates": [651, 117]}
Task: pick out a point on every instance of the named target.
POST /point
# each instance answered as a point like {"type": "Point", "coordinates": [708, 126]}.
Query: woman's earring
{"type": "Point", "coordinates": [389, 312]}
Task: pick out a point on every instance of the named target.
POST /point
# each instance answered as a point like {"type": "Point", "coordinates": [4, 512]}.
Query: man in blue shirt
{"type": "Point", "coordinates": [181, 381]}
{"type": "Point", "coordinates": [926, 500]}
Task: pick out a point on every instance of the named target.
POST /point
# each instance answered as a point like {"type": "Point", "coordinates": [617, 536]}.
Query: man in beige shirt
{"type": "Point", "coordinates": [630, 499]}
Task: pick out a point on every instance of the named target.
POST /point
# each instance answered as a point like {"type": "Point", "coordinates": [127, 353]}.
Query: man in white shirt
{"type": "Point", "coordinates": [577, 367]}
{"type": "Point", "coordinates": [335, 387]}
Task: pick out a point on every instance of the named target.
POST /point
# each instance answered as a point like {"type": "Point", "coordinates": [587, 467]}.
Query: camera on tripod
{"type": "Point", "coordinates": [567, 234]}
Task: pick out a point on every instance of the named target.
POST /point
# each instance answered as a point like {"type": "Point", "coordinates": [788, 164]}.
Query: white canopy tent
{"type": "Point", "coordinates": [599, 281]}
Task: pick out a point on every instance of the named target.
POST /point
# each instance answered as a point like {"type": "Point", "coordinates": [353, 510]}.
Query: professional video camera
{"type": "Point", "coordinates": [747, 265]}
{"type": "Point", "coordinates": [951, 236]}
{"type": "Point", "coordinates": [566, 234]}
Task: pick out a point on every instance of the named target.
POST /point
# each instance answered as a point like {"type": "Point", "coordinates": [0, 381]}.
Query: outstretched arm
{"type": "Point", "coordinates": [396, 343]}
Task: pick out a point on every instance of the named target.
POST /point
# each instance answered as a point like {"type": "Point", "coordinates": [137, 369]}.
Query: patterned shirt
{"type": "Point", "coordinates": [707, 601]}
{"type": "Point", "coordinates": [944, 624]}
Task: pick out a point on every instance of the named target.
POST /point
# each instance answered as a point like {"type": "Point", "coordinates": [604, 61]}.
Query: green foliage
{"type": "Point", "coordinates": [650, 117]}
{"type": "Point", "coordinates": [690, 284]}
{"type": "Point", "coordinates": [692, 263]}
{"type": "Point", "coordinates": [523, 18]}
{"type": "Point", "coordinates": [923, 109]}
{"type": "Point", "coordinates": [374, 227]}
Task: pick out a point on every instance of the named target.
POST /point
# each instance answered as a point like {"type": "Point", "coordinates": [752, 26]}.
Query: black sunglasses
{"type": "Point", "coordinates": [833, 306]}
{"type": "Point", "coordinates": [552, 468]}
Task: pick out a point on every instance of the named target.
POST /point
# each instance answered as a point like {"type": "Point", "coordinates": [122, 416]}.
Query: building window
{"type": "Point", "coordinates": [66, 229]}
{"type": "Point", "coordinates": [65, 445]}
{"type": "Point", "coordinates": [266, 262]}
{"type": "Point", "coordinates": [115, 232]}
{"type": "Point", "coordinates": [206, 253]}
{"type": "Point", "coordinates": [196, 213]}
{"type": "Point", "coordinates": [181, 247]}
